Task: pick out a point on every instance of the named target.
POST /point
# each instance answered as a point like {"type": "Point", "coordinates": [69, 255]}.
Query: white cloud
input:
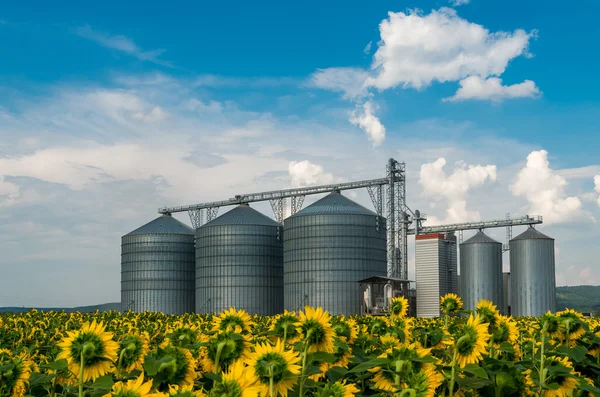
{"type": "Point", "coordinates": [9, 192]}
{"type": "Point", "coordinates": [597, 188]}
{"type": "Point", "coordinates": [587, 277]}
{"type": "Point", "coordinates": [417, 49]}
{"type": "Point", "coordinates": [544, 189]}
{"type": "Point", "coordinates": [305, 173]}
{"type": "Point", "coordinates": [349, 81]}
{"type": "Point", "coordinates": [123, 44]}
{"type": "Point", "coordinates": [457, 3]}
{"type": "Point", "coordinates": [365, 118]}
{"type": "Point", "coordinates": [454, 187]}
{"type": "Point", "coordinates": [475, 87]}
{"type": "Point", "coordinates": [367, 49]}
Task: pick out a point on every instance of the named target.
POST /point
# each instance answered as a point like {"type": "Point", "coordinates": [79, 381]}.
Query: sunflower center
{"type": "Point", "coordinates": [314, 330]}
{"type": "Point", "coordinates": [270, 364]}
{"type": "Point", "coordinates": [232, 322]}
{"type": "Point", "coordinates": [468, 344]}
{"type": "Point", "coordinates": [91, 345]}
{"type": "Point", "coordinates": [228, 388]}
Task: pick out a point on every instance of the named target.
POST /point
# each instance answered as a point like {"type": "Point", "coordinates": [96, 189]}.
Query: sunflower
{"type": "Point", "coordinates": [471, 341]}
{"type": "Point", "coordinates": [133, 349]}
{"type": "Point", "coordinates": [399, 307]}
{"type": "Point", "coordinates": [487, 312]}
{"type": "Point", "coordinates": [345, 329]}
{"type": "Point", "coordinates": [92, 345]}
{"type": "Point", "coordinates": [226, 348]}
{"type": "Point", "coordinates": [285, 326]}
{"type": "Point", "coordinates": [315, 325]}
{"type": "Point", "coordinates": [561, 374]}
{"type": "Point", "coordinates": [183, 391]}
{"type": "Point", "coordinates": [178, 368]}
{"type": "Point", "coordinates": [571, 325]}
{"type": "Point", "coordinates": [425, 382]}
{"type": "Point", "coordinates": [233, 320]}
{"type": "Point", "coordinates": [16, 378]}
{"type": "Point", "coordinates": [389, 342]}
{"type": "Point", "coordinates": [133, 388]}
{"type": "Point", "coordinates": [274, 362]}
{"type": "Point", "coordinates": [400, 328]}
{"type": "Point", "coordinates": [552, 324]}
{"type": "Point", "coordinates": [385, 375]}
{"type": "Point", "coordinates": [338, 389]}
{"type": "Point", "coordinates": [450, 303]}
{"type": "Point", "coordinates": [236, 382]}
{"type": "Point", "coordinates": [506, 331]}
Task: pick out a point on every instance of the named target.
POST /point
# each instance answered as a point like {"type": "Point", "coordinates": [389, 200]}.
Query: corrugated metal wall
{"type": "Point", "coordinates": [481, 272]}
{"type": "Point", "coordinates": [240, 265]}
{"type": "Point", "coordinates": [532, 268]}
{"type": "Point", "coordinates": [157, 273]}
{"type": "Point", "coordinates": [436, 272]}
{"type": "Point", "coordinates": [325, 255]}
{"type": "Point", "coordinates": [507, 294]}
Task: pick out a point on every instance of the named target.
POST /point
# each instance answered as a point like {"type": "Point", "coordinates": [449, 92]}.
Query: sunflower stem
{"type": "Point", "coordinates": [408, 392]}
{"type": "Point", "coordinates": [459, 342]}
{"type": "Point", "coordinates": [120, 362]}
{"type": "Point", "coordinates": [304, 355]}
{"type": "Point", "coordinates": [285, 327]}
{"type": "Point", "coordinates": [397, 376]}
{"type": "Point", "coordinates": [542, 372]}
{"type": "Point", "coordinates": [218, 357]}
{"type": "Point", "coordinates": [271, 381]}
{"type": "Point", "coordinates": [81, 374]}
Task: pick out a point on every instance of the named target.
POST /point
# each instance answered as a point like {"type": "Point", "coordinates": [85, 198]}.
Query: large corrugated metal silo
{"type": "Point", "coordinates": [328, 247]}
{"type": "Point", "coordinates": [481, 271]}
{"type": "Point", "coordinates": [239, 263]}
{"type": "Point", "coordinates": [157, 267]}
{"type": "Point", "coordinates": [532, 278]}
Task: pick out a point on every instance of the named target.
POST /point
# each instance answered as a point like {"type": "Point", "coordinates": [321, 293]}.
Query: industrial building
{"type": "Point", "coordinates": [335, 253]}
{"type": "Point", "coordinates": [436, 272]}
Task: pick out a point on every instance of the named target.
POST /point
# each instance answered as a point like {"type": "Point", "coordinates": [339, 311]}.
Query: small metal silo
{"type": "Point", "coordinates": [239, 263]}
{"type": "Point", "coordinates": [157, 267]}
{"type": "Point", "coordinates": [532, 277]}
{"type": "Point", "coordinates": [481, 271]}
{"type": "Point", "coordinates": [328, 247]}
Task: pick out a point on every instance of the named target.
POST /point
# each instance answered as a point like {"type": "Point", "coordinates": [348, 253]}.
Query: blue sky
{"type": "Point", "coordinates": [110, 110]}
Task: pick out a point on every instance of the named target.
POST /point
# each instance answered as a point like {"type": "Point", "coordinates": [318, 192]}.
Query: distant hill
{"type": "Point", "coordinates": [583, 298]}
{"type": "Point", "coordinates": [83, 309]}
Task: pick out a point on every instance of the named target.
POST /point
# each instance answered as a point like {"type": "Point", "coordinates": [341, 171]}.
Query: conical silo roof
{"type": "Point", "coordinates": [243, 215]}
{"type": "Point", "coordinates": [532, 234]}
{"type": "Point", "coordinates": [164, 224]}
{"type": "Point", "coordinates": [335, 204]}
{"type": "Point", "coordinates": [480, 238]}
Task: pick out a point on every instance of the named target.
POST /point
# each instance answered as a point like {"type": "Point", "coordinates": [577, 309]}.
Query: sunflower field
{"type": "Point", "coordinates": [309, 353]}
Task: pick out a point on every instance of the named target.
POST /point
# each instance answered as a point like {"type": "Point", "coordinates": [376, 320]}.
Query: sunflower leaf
{"type": "Point", "coordinates": [475, 370]}
{"type": "Point", "coordinates": [336, 373]}
{"type": "Point", "coordinates": [103, 383]}
{"type": "Point", "coordinates": [577, 353]}
{"type": "Point", "coordinates": [323, 357]}
{"type": "Point", "coordinates": [58, 365]}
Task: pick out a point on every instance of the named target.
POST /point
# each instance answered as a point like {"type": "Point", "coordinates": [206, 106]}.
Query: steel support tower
{"type": "Point", "coordinates": [399, 216]}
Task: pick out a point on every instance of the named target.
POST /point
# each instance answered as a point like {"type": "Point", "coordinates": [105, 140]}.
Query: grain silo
{"type": "Point", "coordinates": [239, 263]}
{"type": "Point", "coordinates": [532, 277]}
{"type": "Point", "coordinates": [481, 271]}
{"type": "Point", "coordinates": [328, 247]}
{"type": "Point", "coordinates": [157, 267]}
